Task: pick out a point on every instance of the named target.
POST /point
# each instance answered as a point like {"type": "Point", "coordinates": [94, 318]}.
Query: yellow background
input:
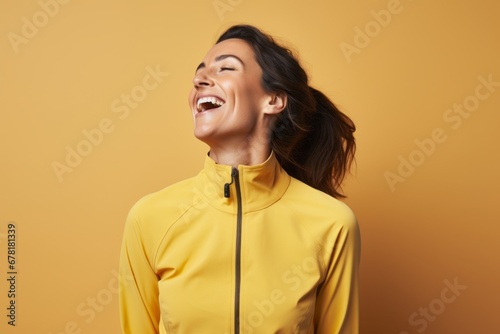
{"type": "Point", "coordinates": [439, 225]}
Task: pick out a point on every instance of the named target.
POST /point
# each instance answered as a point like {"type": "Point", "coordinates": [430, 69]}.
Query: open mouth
{"type": "Point", "coordinates": [208, 103]}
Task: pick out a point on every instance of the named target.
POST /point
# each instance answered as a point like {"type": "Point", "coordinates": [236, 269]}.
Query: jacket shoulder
{"type": "Point", "coordinates": [151, 217]}
{"type": "Point", "coordinates": [330, 222]}
{"type": "Point", "coordinates": [319, 206]}
{"type": "Point", "coordinates": [167, 203]}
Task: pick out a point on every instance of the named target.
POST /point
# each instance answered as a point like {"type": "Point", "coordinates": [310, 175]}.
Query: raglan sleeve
{"type": "Point", "coordinates": [337, 300]}
{"type": "Point", "coordinates": [138, 289]}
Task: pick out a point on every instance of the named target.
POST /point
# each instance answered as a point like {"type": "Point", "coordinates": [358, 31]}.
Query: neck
{"type": "Point", "coordinates": [249, 149]}
{"type": "Point", "coordinates": [248, 154]}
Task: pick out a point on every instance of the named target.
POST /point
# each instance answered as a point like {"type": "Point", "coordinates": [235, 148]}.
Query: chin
{"type": "Point", "coordinates": [204, 135]}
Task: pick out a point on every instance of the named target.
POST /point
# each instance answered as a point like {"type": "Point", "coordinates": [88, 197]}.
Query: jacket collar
{"type": "Point", "coordinates": [261, 185]}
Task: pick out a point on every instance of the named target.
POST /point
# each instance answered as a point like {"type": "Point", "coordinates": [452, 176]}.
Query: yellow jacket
{"type": "Point", "coordinates": [272, 256]}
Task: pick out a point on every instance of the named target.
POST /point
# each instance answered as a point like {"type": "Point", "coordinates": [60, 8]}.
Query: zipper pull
{"type": "Point", "coordinates": [234, 173]}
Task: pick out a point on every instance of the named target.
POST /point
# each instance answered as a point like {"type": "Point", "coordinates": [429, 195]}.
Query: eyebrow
{"type": "Point", "coordinates": [219, 58]}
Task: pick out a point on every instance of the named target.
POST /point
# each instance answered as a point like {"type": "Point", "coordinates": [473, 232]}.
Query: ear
{"type": "Point", "coordinates": [275, 103]}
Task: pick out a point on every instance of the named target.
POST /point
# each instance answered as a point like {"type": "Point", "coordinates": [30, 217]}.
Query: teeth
{"type": "Point", "coordinates": [211, 99]}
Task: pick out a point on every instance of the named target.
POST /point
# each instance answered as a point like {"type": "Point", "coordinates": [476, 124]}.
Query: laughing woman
{"type": "Point", "coordinates": [258, 241]}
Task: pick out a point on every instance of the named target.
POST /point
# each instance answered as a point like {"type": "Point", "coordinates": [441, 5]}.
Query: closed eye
{"type": "Point", "coordinates": [227, 69]}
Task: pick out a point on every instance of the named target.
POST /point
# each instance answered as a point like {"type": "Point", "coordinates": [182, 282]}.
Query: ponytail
{"type": "Point", "coordinates": [322, 155]}
{"type": "Point", "coordinates": [312, 140]}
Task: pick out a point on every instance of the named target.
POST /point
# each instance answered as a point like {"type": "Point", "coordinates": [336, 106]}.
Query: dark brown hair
{"type": "Point", "coordinates": [312, 139]}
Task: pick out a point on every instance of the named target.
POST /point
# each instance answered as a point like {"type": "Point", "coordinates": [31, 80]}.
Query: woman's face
{"type": "Point", "coordinates": [227, 101]}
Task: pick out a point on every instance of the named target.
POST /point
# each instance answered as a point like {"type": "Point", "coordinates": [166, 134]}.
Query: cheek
{"type": "Point", "coordinates": [242, 92]}
{"type": "Point", "coordinates": [254, 89]}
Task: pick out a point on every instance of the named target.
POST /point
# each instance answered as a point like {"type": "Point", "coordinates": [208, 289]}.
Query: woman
{"type": "Point", "coordinates": [257, 242]}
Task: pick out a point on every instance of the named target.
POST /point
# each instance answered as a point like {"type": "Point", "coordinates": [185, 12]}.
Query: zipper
{"type": "Point", "coordinates": [235, 177]}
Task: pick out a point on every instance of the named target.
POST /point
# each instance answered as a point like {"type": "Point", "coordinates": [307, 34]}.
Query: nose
{"type": "Point", "coordinates": [202, 80]}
